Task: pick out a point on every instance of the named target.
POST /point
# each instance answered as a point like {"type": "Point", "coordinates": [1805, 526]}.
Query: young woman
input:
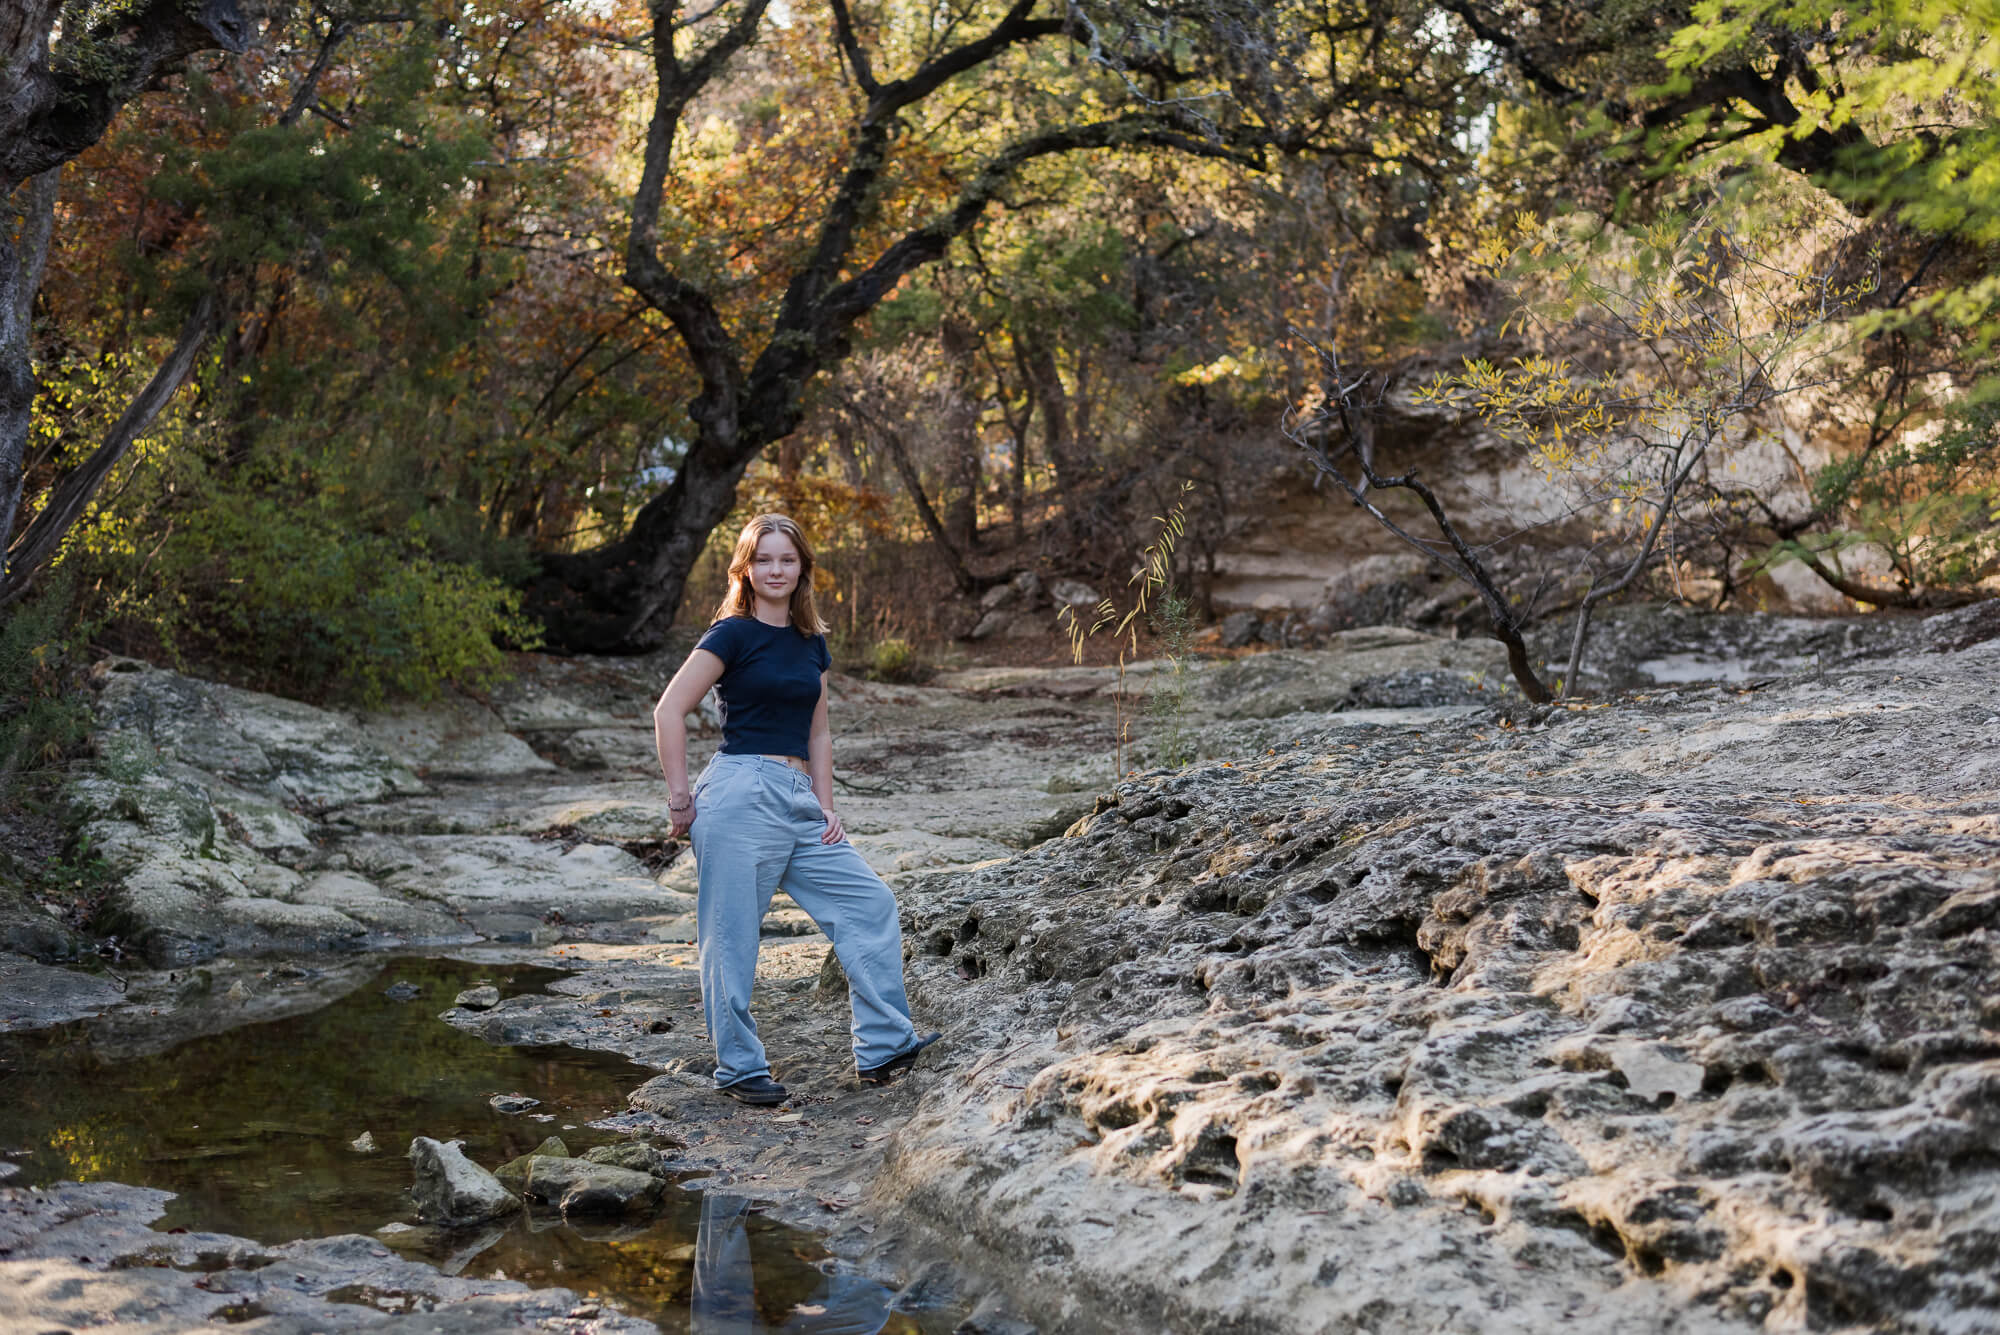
{"type": "Point", "coordinates": [762, 816]}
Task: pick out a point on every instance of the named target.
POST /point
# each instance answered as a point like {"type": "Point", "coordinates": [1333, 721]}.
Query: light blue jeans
{"type": "Point", "coordinates": [757, 829]}
{"type": "Point", "coordinates": [724, 1300]}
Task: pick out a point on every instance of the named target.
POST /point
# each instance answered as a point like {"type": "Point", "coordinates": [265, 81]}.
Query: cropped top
{"type": "Point", "coordinates": [770, 685]}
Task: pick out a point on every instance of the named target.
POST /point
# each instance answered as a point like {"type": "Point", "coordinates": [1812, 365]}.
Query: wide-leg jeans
{"type": "Point", "coordinates": [757, 830]}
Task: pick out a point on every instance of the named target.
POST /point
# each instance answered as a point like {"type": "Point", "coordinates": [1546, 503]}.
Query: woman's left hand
{"type": "Point", "coordinates": [835, 832]}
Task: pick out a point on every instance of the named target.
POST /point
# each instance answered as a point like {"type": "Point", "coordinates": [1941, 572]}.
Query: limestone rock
{"type": "Point", "coordinates": [451, 1190]}
{"type": "Point", "coordinates": [37, 935]}
{"type": "Point", "coordinates": [1963, 627]}
{"type": "Point", "coordinates": [1073, 593]}
{"type": "Point", "coordinates": [478, 998]}
{"type": "Point", "coordinates": [1239, 629]}
{"type": "Point", "coordinates": [137, 1278]}
{"type": "Point", "coordinates": [1395, 984]}
{"type": "Point", "coordinates": [585, 1187]}
{"type": "Point", "coordinates": [1651, 1072]}
{"type": "Point", "coordinates": [1359, 669]}
{"type": "Point", "coordinates": [314, 757]}
{"type": "Point", "coordinates": [514, 1173]}
{"type": "Point", "coordinates": [36, 995]}
{"type": "Point", "coordinates": [637, 1155]}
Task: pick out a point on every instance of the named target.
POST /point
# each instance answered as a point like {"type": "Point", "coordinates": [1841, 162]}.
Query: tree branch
{"type": "Point", "coordinates": [852, 299]}
{"type": "Point", "coordinates": [850, 46]}
{"type": "Point", "coordinates": [67, 501]}
{"type": "Point", "coordinates": [694, 315]}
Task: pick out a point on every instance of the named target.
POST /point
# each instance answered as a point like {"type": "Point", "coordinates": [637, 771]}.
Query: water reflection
{"type": "Point", "coordinates": [725, 1285]}
{"type": "Point", "coordinates": [254, 1129]}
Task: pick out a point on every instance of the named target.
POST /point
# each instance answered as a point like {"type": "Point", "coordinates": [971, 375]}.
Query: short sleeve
{"type": "Point", "coordinates": [821, 658]}
{"type": "Point", "coordinates": [722, 640]}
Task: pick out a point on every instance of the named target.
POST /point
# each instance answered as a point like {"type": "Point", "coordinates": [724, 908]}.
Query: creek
{"type": "Point", "coordinates": [253, 1129]}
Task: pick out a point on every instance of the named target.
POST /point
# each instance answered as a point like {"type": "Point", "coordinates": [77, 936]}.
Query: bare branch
{"type": "Point", "coordinates": [850, 46]}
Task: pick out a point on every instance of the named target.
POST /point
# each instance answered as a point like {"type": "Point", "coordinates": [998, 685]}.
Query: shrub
{"type": "Point", "coordinates": [895, 660]}
{"type": "Point", "coordinates": [309, 606]}
{"type": "Point", "coordinates": [40, 717]}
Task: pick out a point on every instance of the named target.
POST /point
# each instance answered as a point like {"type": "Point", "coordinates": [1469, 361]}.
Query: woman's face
{"type": "Point", "coordinates": [774, 570]}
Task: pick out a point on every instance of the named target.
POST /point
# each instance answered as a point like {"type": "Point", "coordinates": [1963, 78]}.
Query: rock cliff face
{"type": "Point", "coordinates": [1677, 1014]}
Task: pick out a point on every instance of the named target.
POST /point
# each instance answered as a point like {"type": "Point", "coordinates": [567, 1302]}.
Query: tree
{"type": "Point", "coordinates": [57, 98]}
{"type": "Point", "coordinates": [1655, 355]}
{"type": "Point", "coordinates": [1227, 80]}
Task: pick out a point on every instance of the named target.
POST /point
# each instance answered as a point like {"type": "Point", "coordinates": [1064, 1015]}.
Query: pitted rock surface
{"type": "Point", "coordinates": [79, 1257]}
{"type": "Point", "coordinates": [1407, 1007]}
{"type": "Point", "coordinates": [1679, 1014]}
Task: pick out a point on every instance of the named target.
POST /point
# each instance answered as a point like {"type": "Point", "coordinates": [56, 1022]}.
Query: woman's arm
{"type": "Point", "coordinates": [819, 764]}
{"type": "Point", "coordinates": [682, 696]}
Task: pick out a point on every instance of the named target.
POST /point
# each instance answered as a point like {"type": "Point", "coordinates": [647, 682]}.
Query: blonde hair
{"type": "Point", "coordinates": [741, 600]}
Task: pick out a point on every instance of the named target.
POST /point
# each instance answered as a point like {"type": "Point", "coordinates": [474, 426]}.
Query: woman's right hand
{"type": "Point", "coordinates": [683, 819]}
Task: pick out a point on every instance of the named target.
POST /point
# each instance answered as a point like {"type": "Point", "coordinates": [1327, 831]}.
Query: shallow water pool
{"type": "Point", "coordinates": [253, 1129]}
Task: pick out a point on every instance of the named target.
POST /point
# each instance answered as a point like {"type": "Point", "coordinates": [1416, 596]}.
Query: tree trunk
{"type": "Point", "coordinates": [1017, 490]}
{"type": "Point", "coordinates": [963, 473]}
{"type": "Point", "coordinates": [71, 496]}
{"type": "Point", "coordinates": [1038, 367]}
{"type": "Point", "coordinates": [622, 597]}
{"type": "Point", "coordinates": [50, 111]}
{"type": "Point", "coordinates": [24, 248]}
{"type": "Point", "coordinates": [941, 534]}
{"type": "Point", "coordinates": [1920, 597]}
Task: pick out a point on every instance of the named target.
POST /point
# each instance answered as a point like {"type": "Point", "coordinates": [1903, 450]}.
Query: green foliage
{"type": "Point", "coordinates": [372, 205]}
{"type": "Point", "coordinates": [295, 598]}
{"type": "Point", "coordinates": [1933, 503]}
{"type": "Point", "coordinates": [896, 660]}
{"type": "Point", "coordinates": [41, 715]}
{"type": "Point", "coordinates": [1901, 120]}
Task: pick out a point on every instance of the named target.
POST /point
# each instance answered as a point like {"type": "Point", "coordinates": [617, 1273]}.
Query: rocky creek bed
{"type": "Point", "coordinates": [1406, 1007]}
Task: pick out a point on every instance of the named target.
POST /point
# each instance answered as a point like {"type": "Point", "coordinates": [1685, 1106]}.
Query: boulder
{"type": "Point", "coordinates": [582, 1187]}
{"type": "Point", "coordinates": [37, 935]}
{"type": "Point", "coordinates": [1073, 593]}
{"type": "Point", "coordinates": [512, 1103]}
{"type": "Point", "coordinates": [453, 1191]}
{"type": "Point", "coordinates": [992, 623]}
{"type": "Point", "coordinates": [478, 999]}
{"type": "Point", "coordinates": [34, 995]}
{"type": "Point", "coordinates": [515, 1171]}
{"type": "Point", "coordinates": [1239, 629]}
{"type": "Point", "coordinates": [637, 1155]}
{"type": "Point", "coordinates": [1963, 627]}
{"type": "Point", "coordinates": [999, 596]}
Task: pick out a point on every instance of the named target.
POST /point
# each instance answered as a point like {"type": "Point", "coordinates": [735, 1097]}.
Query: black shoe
{"type": "Point", "coordinates": [896, 1065]}
{"type": "Point", "coordinates": [759, 1091]}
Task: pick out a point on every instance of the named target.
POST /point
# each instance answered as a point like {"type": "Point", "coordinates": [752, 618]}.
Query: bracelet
{"type": "Point", "coordinates": [680, 806]}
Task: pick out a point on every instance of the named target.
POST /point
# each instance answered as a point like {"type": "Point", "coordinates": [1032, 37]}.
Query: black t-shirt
{"type": "Point", "coordinates": [770, 685]}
